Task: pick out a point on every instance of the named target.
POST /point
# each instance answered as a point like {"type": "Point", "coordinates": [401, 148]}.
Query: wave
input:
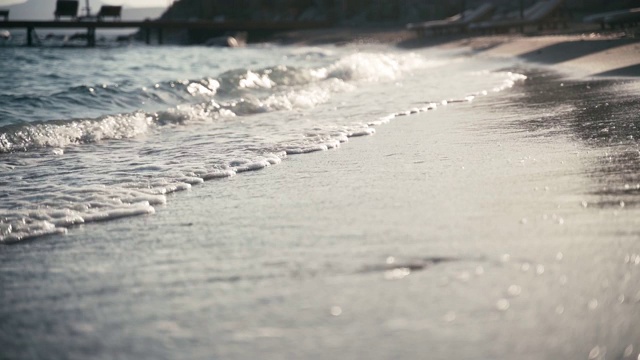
{"type": "Point", "coordinates": [243, 92]}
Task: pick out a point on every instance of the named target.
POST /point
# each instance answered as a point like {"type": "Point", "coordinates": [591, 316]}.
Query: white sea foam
{"type": "Point", "coordinates": [15, 232]}
{"type": "Point", "coordinates": [192, 180]}
{"type": "Point", "coordinates": [72, 206]}
{"type": "Point", "coordinates": [62, 134]}
{"type": "Point", "coordinates": [304, 99]}
{"type": "Point", "coordinates": [252, 166]}
{"type": "Point", "coordinates": [362, 132]}
{"type": "Point", "coordinates": [136, 209]}
{"type": "Point", "coordinates": [374, 66]}
{"type": "Point", "coordinates": [254, 80]}
{"type": "Point", "coordinates": [207, 87]}
{"type": "Point", "coordinates": [218, 174]}
{"type": "Point", "coordinates": [275, 158]}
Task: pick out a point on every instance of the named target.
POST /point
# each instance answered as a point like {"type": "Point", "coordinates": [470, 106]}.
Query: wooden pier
{"type": "Point", "coordinates": [158, 27]}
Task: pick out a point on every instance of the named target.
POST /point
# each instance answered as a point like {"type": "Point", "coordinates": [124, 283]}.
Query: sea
{"type": "Point", "coordinates": [349, 201]}
{"type": "Point", "coordinates": [89, 135]}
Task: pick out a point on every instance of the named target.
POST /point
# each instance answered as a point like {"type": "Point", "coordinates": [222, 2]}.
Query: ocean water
{"type": "Point", "coordinates": [89, 135]}
{"type": "Point", "coordinates": [349, 202]}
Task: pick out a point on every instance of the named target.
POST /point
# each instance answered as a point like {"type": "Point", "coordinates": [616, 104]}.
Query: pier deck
{"type": "Point", "coordinates": [158, 26]}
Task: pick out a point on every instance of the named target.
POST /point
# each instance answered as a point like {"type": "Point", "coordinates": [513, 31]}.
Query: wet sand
{"type": "Point", "coordinates": [498, 229]}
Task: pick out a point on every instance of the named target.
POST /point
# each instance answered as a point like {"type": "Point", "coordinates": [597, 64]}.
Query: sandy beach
{"type": "Point", "coordinates": [504, 227]}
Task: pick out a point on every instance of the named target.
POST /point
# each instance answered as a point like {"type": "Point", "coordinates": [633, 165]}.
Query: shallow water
{"type": "Point", "coordinates": [503, 227]}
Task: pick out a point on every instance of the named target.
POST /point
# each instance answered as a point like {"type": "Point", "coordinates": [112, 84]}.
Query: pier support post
{"type": "Point", "coordinates": [91, 36]}
{"type": "Point", "coordinates": [30, 36]}
{"type": "Point", "coordinates": [147, 35]}
{"type": "Point", "coordinates": [160, 40]}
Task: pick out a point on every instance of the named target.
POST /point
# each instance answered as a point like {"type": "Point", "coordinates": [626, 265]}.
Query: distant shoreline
{"type": "Point", "coordinates": [581, 53]}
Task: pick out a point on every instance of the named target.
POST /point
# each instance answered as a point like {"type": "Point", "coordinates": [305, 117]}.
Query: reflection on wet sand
{"type": "Point", "coordinates": [601, 116]}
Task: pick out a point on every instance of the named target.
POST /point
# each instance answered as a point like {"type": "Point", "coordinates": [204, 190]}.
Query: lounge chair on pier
{"type": "Point", "coordinates": [66, 8]}
{"type": "Point", "coordinates": [454, 23]}
{"type": "Point", "coordinates": [543, 13]}
{"type": "Point", "coordinates": [620, 18]}
{"type": "Point", "coordinates": [109, 11]}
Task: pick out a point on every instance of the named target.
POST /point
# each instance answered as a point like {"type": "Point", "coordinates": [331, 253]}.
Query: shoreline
{"type": "Point", "coordinates": [582, 53]}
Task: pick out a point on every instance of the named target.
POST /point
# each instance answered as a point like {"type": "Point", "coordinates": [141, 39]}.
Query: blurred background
{"type": "Point", "coordinates": [350, 11]}
{"type": "Point", "coordinates": [361, 10]}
